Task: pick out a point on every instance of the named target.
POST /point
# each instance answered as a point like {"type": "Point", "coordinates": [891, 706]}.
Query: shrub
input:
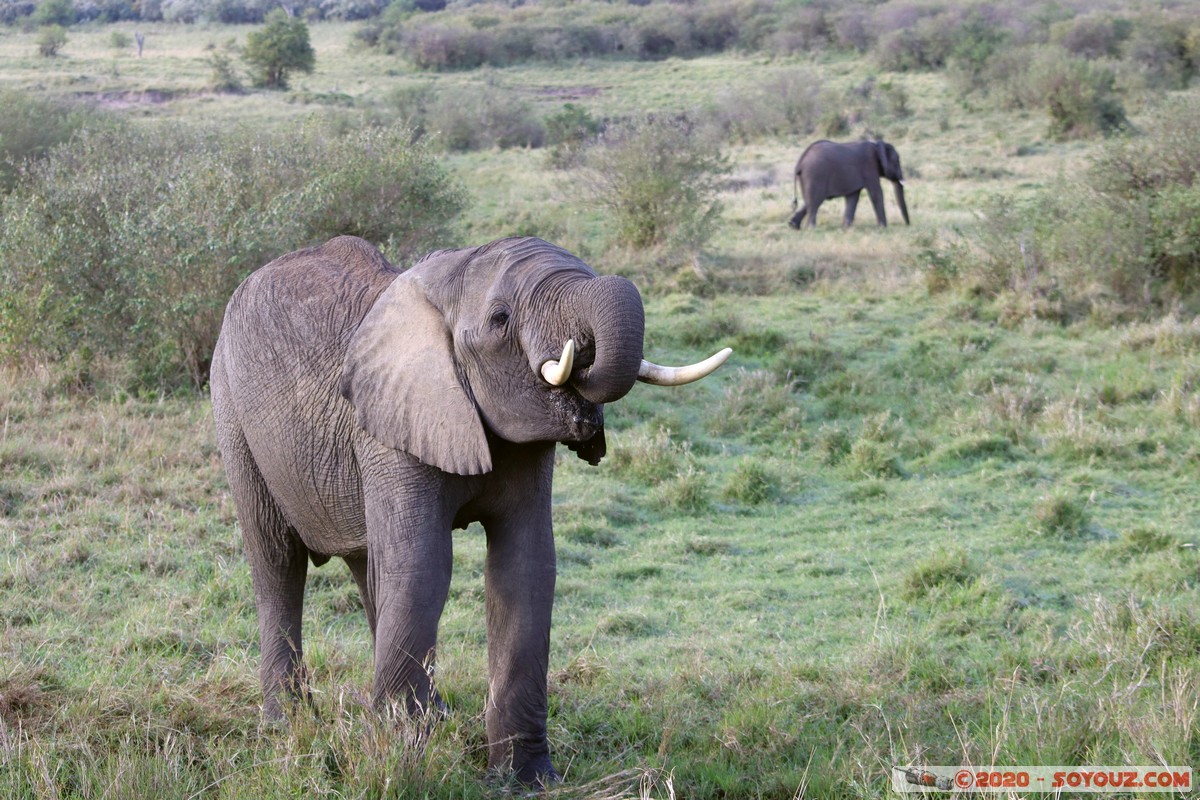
{"type": "Point", "coordinates": [1093, 35]}
{"type": "Point", "coordinates": [224, 78]}
{"type": "Point", "coordinates": [687, 492]}
{"type": "Point", "coordinates": [54, 12]}
{"type": "Point", "coordinates": [51, 39]}
{"type": "Point", "coordinates": [1152, 182]}
{"type": "Point", "coordinates": [875, 453]}
{"type": "Point", "coordinates": [832, 444]}
{"type": "Point", "coordinates": [975, 44]}
{"type": "Point", "coordinates": [1080, 99]}
{"type": "Point", "coordinates": [938, 572]}
{"type": "Point", "coordinates": [128, 243]}
{"type": "Point", "coordinates": [30, 127]}
{"type": "Point", "coordinates": [649, 459]}
{"type": "Point", "coordinates": [751, 483]}
{"type": "Point", "coordinates": [1127, 231]}
{"type": "Point", "coordinates": [1059, 514]}
{"type": "Point", "coordinates": [478, 119]}
{"type": "Point", "coordinates": [659, 31]}
{"type": "Point", "coordinates": [659, 178]}
{"type": "Point", "coordinates": [569, 131]}
{"type": "Point", "coordinates": [278, 49]}
{"type": "Point", "coordinates": [1158, 49]}
{"type": "Point", "coordinates": [464, 119]}
{"type": "Point", "coordinates": [760, 405]}
{"type": "Point", "coordinates": [789, 103]}
{"type": "Point", "coordinates": [444, 46]}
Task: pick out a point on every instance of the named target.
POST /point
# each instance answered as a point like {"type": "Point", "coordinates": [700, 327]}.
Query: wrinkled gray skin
{"type": "Point", "coordinates": [833, 169]}
{"type": "Point", "coordinates": [364, 413]}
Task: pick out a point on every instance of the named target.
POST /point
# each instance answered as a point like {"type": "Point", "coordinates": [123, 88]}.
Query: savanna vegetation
{"type": "Point", "coordinates": [940, 508]}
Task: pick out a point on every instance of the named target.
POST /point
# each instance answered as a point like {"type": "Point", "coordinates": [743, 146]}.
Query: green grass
{"type": "Point", "coordinates": [892, 530]}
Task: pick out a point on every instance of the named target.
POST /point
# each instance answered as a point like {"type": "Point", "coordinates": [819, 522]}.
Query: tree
{"type": "Point", "coordinates": [277, 49]}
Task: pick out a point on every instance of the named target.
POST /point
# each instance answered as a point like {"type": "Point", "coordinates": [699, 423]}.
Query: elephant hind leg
{"type": "Point", "coordinates": [851, 206]}
{"type": "Point", "coordinates": [798, 218]}
{"type": "Point", "coordinates": [278, 567]}
{"type": "Point", "coordinates": [358, 568]}
{"type": "Point", "coordinates": [813, 204]}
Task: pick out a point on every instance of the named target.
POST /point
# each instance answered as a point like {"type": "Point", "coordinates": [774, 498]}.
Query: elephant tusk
{"type": "Point", "coordinates": [556, 373]}
{"type": "Point", "coordinates": [678, 376]}
{"type": "Point", "coordinates": [900, 182]}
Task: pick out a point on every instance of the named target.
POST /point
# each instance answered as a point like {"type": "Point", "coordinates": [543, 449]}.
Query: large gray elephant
{"type": "Point", "coordinates": [365, 412]}
{"type": "Point", "coordinates": [832, 169]}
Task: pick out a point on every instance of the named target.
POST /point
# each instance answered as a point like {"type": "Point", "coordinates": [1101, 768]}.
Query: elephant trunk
{"type": "Point", "coordinates": [611, 312]}
{"type": "Point", "coordinates": [899, 185]}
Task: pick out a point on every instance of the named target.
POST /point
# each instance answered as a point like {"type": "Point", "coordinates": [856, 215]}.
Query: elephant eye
{"type": "Point", "coordinates": [500, 318]}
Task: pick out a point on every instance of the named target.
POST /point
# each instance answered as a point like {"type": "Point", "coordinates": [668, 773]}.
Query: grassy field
{"type": "Point", "coordinates": [898, 528]}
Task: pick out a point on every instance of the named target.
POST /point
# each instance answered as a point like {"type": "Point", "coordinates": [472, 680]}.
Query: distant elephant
{"type": "Point", "coordinates": [833, 169]}
{"type": "Point", "coordinates": [365, 412]}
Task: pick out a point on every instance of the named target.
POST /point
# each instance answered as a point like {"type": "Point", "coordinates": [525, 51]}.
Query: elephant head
{"type": "Point", "coordinates": [889, 167]}
{"type": "Point", "coordinates": [518, 336]}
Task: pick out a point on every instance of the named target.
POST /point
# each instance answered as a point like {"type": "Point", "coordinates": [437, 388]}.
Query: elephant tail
{"type": "Point", "coordinates": [795, 189]}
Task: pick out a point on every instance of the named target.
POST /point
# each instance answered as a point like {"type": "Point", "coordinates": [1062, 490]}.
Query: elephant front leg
{"type": "Point", "coordinates": [409, 558]}
{"type": "Point", "coordinates": [409, 603]}
{"type": "Point", "coordinates": [520, 575]}
{"type": "Point", "coordinates": [875, 192]}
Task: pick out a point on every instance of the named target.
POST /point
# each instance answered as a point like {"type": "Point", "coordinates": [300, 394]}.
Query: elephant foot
{"type": "Point", "coordinates": [536, 773]}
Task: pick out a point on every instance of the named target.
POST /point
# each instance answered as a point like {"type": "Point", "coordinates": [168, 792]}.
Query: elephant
{"type": "Point", "coordinates": [365, 412]}
{"type": "Point", "coordinates": [834, 169]}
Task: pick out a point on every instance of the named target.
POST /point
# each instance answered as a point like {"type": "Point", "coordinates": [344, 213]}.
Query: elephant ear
{"type": "Point", "coordinates": [402, 380]}
{"type": "Point", "coordinates": [881, 154]}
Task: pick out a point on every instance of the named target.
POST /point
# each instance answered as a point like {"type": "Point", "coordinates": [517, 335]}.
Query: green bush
{"type": "Point", "coordinates": [876, 451]}
{"type": "Point", "coordinates": [51, 39]}
{"type": "Point", "coordinates": [569, 131]}
{"type": "Point", "coordinates": [751, 483]}
{"type": "Point", "coordinates": [127, 244]}
{"type": "Point", "coordinates": [789, 103]}
{"type": "Point", "coordinates": [479, 119]}
{"type": "Point", "coordinates": [687, 492]}
{"type": "Point", "coordinates": [1079, 98]}
{"type": "Point", "coordinates": [1060, 514]}
{"type": "Point", "coordinates": [976, 42]}
{"type": "Point", "coordinates": [30, 127]}
{"type": "Point", "coordinates": [1158, 49]}
{"type": "Point", "coordinates": [224, 78]}
{"type": "Point", "coordinates": [759, 405]}
{"type": "Point", "coordinates": [278, 49]}
{"type": "Point", "coordinates": [1078, 95]}
{"type": "Point", "coordinates": [649, 459]}
{"type": "Point", "coordinates": [55, 12]}
{"type": "Point", "coordinates": [1124, 235]}
{"type": "Point", "coordinates": [938, 572]}
{"type": "Point", "coordinates": [468, 118]}
{"type": "Point", "coordinates": [659, 178]}
{"type": "Point", "coordinates": [1095, 35]}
